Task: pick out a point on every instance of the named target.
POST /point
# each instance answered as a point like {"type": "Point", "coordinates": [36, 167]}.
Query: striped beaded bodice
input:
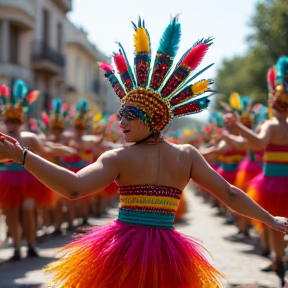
{"type": "Point", "coordinates": [275, 160]}
{"type": "Point", "coordinates": [148, 205]}
{"type": "Point", "coordinates": [229, 160]}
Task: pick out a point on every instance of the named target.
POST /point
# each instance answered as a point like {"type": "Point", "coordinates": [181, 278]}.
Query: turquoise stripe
{"type": "Point", "coordinates": [251, 156]}
{"type": "Point", "coordinates": [11, 167]}
{"type": "Point", "coordinates": [275, 170]}
{"type": "Point", "coordinates": [73, 165]}
{"type": "Point", "coordinates": [145, 218]}
{"type": "Point", "coordinates": [229, 166]}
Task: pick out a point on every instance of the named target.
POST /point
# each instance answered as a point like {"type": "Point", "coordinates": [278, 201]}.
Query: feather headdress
{"type": "Point", "coordinates": [81, 115]}
{"type": "Point", "coordinates": [159, 93]}
{"type": "Point", "coordinates": [16, 103]}
{"type": "Point", "coordinates": [56, 117]}
{"type": "Point", "coordinates": [277, 79]}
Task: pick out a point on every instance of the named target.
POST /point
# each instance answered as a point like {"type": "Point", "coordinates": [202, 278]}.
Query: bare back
{"type": "Point", "coordinates": [279, 132]}
{"type": "Point", "coordinates": [161, 164]}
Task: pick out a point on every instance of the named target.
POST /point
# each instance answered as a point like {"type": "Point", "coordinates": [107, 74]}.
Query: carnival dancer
{"type": "Point", "coordinates": [86, 151]}
{"type": "Point", "coordinates": [269, 189]}
{"type": "Point", "coordinates": [140, 248]}
{"type": "Point", "coordinates": [55, 120]}
{"type": "Point", "coordinates": [22, 195]}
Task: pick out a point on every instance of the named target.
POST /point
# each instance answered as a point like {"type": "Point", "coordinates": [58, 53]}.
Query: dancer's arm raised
{"type": "Point", "coordinates": [255, 141]}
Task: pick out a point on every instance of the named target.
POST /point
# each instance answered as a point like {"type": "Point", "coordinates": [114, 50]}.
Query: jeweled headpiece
{"type": "Point", "coordinates": [16, 102]}
{"type": "Point", "coordinates": [277, 79]}
{"type": "Point", "coordinates": [159, 93]}
{"type": "Point", "coordinates": [57, 115]}
{"type": "Point", "coordinates": [82, 117]}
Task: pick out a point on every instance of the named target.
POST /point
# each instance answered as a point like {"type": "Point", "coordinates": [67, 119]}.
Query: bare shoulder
{"type": "Point", "coordinates": [27, 136]}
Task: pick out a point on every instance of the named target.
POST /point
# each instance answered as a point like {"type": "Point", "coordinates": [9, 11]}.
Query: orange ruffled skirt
{"type": "Point", "coordinates": [127, 255]}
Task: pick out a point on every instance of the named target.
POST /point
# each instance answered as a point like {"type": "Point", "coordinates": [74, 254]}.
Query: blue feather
{"type": "Point", "coordinates": [170, 40]}
{"type": "Point", "coordinates": [57, 105]}
{"type": "Point", "coordinates": [20, 89]}
{"type": "Point", "coordinates": [282, 69]}
{"type": "Point", "coordinates": [82, 105]}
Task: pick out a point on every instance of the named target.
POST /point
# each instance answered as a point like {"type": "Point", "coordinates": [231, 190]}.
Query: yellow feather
{"type": "Point", "coordinates": [200, 87]}
{"type": "Point", "coordinates": [141, 41]}
{"type": "Point", "coordinates": [97, 117]}
{"type": "Point", "coordinates": [234, 101]}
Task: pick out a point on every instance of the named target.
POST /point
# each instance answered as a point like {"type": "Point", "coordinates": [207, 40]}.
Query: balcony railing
{"type": "Point", "coordinates": [41, 51]}
{"type": "Point", "coordinates": [25, 5]}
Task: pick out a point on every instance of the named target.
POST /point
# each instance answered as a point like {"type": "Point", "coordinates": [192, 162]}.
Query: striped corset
{"type": "Point", "coordinates": [83, 159]}
{"type": "Point", "coordinates": [275, 161]}
{"type": "Point", "coordinates": [152, 206]}
{"type": "Point", "coordinates": [229, 160]}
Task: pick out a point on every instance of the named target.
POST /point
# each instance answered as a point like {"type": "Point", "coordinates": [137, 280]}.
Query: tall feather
{"type": "Point", "coordinates": [235, 102]}
{"type": "Point", "coordinates": [122, 52]}
{"type": "Point", "coordinates": [122, 68]}
{"type": "Point", "coordinates": [282, 69]}
{"type": "Point", "coordinates": [166, 52]}
{"type": "Point", "coordinates": [110, 76]}
{"type": "Point", "coordinates": [188, 62]}
{"type": "Point", "coordinates": [142, 57]}
{"type": "Point", "coordinates": [32, 96]}
{"type": "Point", "coordinates": [189, 92]}
{"type": "Point", "coordinates": [4, 91]}
{"type": "Point", "coordinates": [191, 107]}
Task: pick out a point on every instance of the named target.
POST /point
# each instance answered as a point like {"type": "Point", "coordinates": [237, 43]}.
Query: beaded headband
{"type": "Point", "coordinates": [159, 93]}
{"type": "Point", "coordinates": [16, 104]}
{"type": "Point", "coordinates": [277, 79]}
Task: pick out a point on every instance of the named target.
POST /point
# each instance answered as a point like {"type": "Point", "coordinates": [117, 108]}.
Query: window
{"type": "Point", "coordinates": [45, 27]}
{"type": "Point", "coordinates": [59, 36]}
{"type": "Point", "coordinates": [14, 44]}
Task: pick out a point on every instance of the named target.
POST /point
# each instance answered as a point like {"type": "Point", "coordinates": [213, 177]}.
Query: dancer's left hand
{"type": "Point", "coordinates": [10, 149]}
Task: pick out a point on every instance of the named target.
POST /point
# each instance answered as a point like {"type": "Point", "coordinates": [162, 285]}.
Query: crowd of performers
{"type": "Point", "coordinates": [250, 153]}
{"type": "Point", "coordinates": [72, 137]}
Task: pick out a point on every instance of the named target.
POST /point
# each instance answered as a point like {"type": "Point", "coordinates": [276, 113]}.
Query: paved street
{"type": "Point", "coordinates": [237, 260]}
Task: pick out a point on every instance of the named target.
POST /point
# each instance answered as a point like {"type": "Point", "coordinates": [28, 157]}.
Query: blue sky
{"type": "Point", "coordinates": [107, 21]}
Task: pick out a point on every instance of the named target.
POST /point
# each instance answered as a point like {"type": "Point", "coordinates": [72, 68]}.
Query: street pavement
{"type": "Point", "coordinates": [236, 259]}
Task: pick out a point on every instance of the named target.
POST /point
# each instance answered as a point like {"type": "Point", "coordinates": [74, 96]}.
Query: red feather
{"type": "Point", "coordinates": [106, 67]}
{"type": "Point", "coordinates": [271, 77]}
{"type": "Point", "coordinates": [64, 107]}
{"type": "Point", "coordinates": [45, 118]}
{"type": "Point", "coordinates": [195, 56]}
{"type": "Point", "coordinates": [4, 91]}
{"type": "Point", "coordinates": [32, 96]}
{"type": "Point", "coordinates": [120, 63]}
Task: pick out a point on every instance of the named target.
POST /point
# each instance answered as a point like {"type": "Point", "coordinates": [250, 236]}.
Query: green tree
{"type": "Point", "coordinates": [268, 41]}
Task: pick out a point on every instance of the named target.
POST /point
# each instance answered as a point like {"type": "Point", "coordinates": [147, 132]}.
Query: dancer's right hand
{"type": "Point", "coordinates": [10, 149]}
{"type": "Point", "coordinates": [279, 223]}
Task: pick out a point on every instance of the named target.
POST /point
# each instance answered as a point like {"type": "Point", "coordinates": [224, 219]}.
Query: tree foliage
{"type": "Point", "coordinates": [267, 42]}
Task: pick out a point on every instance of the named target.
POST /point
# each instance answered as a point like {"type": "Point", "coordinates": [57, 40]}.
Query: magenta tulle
{"type": "Point", "coordinates": [16, 186]}
{"type": "Point", "coordinates": [271, 193]}
{"type": "Point", "coordinates": [229, 176]}
{"type": "Point", "coordinates": [250, 167]}
{"type": "Point", "coordinates": [126, 255]}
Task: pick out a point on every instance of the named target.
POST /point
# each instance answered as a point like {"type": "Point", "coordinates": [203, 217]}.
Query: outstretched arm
{"type": "Point", "coordinates": [231, 196]}
{"type": "Point", "coordinates": [256, 142]}
{"type": "Point", "coordinates": [90, 179]}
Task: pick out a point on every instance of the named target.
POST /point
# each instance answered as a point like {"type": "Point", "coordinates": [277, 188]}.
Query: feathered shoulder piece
{"type": "Point", "coordinates": [17, 101]}
{"type": "Point", "coordinates": [159, 92]}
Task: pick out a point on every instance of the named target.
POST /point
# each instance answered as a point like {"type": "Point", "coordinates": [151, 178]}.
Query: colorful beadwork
{"type": "Point", "coordinates": [155, 97]}
{"type": "Point", "coordinates": [153, 206]}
